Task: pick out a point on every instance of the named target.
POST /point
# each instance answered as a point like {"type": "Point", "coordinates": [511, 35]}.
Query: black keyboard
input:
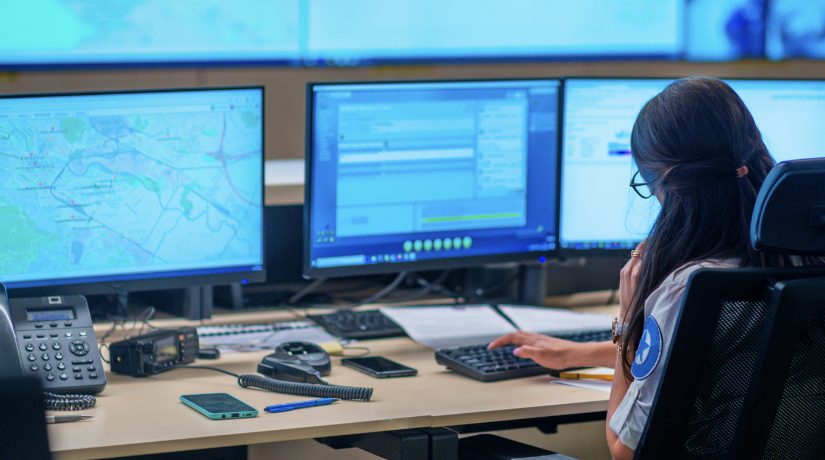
{"type": "Point", "coordinates": [367, 324]}
{"type": "Point", "coordinates": [477, 362]}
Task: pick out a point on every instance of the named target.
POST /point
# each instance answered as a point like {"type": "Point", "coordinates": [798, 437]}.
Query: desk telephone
{"type": "Point", "coordinates": [55, 341]}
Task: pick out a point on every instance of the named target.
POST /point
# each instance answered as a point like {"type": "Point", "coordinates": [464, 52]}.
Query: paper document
{"type": "Point", "coordinates": [550, 321]}
{"type": "Point", "coordinates": [450, 326]}
{"type": "Point", "coordinates": [256, 337]}
{"type": "Point", "coordinates": [597, 385]}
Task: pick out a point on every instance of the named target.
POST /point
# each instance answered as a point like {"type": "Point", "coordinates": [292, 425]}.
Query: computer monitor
{"type": "Point", "coordinates": [794, 29]}
{"type": "Point", "coordinates": [114, 192]}
{"type": "Point", "coordinates": [598, 211]}
{"type": "Point", "coordinates": [426, 175]}
{"type": "Point", "coordinates": [724, 30]}
{"type": "Point", "coordinates": [106, 33]}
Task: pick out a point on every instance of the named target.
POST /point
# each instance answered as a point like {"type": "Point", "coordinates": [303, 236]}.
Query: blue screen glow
{"type": "Point", "coordinates": [130, 186]}
{"type": "Point", "coordinates": [409, 172]}
{"type": "Point", "coordinates": [343, 32]}
{"type": "Point", "coordinates": [598, 208]}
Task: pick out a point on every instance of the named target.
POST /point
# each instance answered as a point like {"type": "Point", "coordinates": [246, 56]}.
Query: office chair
{"type": "Point", "coordinates": [23, 424]}
{"type": "Point", "coordinates": [745, 375]}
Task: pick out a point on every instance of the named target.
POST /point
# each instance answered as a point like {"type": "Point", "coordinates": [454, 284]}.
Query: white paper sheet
{"type": "Point", "coordinates": [256, 337]}
{"type": "Point", "coordinates": [546, 320]}
{"type": "Point", "coordinates": [450, 326]}
{"type": "Point", "coordinates": [597, 385]}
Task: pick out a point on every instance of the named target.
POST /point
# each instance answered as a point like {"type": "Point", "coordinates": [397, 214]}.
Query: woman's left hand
{"type": "Point", "coordinates": [629, 279]}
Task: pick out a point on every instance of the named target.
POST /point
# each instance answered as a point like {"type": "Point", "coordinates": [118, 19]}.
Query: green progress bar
{"type": "Point", "coordinates": [503, 215]}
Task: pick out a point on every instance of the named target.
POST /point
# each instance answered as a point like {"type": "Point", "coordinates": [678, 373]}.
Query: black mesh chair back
{"type": "Point", "coordinates": [23, 424]}
{"type": "Point", "coordinates": [745, 374]}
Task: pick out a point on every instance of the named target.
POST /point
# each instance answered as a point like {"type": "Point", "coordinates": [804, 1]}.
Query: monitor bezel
{"type": "Point", "coordinates": [310, 272]}
{"type": "Point", "coordinates": [93, 285]}
{"type": "Point", "coordinates": [623, 252]}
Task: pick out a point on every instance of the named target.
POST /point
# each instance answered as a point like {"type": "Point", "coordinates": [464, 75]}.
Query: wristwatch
{"type": "Point", "coordinates": [618, 329]}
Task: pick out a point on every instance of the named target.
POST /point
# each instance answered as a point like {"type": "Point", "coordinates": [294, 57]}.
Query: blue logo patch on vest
{"type": "Point", "coordinates": [649, 351]}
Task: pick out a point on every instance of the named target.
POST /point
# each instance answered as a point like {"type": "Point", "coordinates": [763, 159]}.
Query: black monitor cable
{"type": "Point", "coordinates": [305, 291]}
{"type": "Point", "coordinates": [315, 390]}
{"type": "Point", "coordinates": [427, 287]}
{"type": "Point", "coordinates": [383, 292]}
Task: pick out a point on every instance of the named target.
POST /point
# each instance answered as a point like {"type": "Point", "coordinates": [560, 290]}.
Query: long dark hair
{"type": "Point", "coordinates": [690, 143]}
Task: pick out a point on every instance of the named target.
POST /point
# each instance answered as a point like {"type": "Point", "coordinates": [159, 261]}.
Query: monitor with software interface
{"type": "Point", "coordinates": [115, 192]}
{"type": "Point", "coordinates": [426, 175]}
{"type": "Point", "coordinates": [598, 210]}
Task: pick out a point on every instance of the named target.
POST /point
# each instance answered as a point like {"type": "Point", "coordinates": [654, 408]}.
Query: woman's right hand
{"type": "Point", "coordinates": [554, 353]}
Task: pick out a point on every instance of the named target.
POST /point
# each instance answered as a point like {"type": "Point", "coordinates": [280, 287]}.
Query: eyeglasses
{"type": "Point", "coordinates": [641, 188]}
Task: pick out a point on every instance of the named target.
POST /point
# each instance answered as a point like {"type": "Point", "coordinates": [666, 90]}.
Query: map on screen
{"type": "Point", "coordinates": [117, 184]}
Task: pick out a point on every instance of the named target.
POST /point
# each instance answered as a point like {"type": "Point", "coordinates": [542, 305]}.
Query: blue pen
{"type": "Point", "coordinates": [299, 405]}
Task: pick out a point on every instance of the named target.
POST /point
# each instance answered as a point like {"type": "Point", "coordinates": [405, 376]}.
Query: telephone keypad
{"type": "Point", "coordinates": [52, 333]}
{"type": "Point", "coordinates": [42, 362]}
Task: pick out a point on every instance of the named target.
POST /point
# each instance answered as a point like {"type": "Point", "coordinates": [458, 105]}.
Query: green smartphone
{"type": "Point", "coordinates": [219, 406]}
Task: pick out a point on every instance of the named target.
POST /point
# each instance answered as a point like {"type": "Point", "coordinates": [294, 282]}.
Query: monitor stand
{"type": "Point", "coordinates": [195, 302]}
{"type": "Point", "coordinates": [533, 284]}
{"type": "Point", "coordinates": [520, 283]}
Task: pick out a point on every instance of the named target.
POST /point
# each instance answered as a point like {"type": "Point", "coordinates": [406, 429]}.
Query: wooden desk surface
{"type": "Point", "coordinates": [144, 416]}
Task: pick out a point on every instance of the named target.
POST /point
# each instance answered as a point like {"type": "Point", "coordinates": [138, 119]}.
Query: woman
{"type": "Point", "coordinates": [701, 155]}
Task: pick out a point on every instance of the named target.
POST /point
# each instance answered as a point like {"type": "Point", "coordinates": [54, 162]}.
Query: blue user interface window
{"type": "Point", "coordinates": [598, 208]}
{"type": "Point", "coordinates": [410, 172]}
{"type": "Point", "coordinates": [130, 186]}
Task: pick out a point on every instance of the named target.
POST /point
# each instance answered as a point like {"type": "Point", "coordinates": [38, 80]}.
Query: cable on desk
{"type": "Point", "coordinates": [294, 388]}
{"type": "Point", "coordinates": [68, 402]}
{"type": "Point", "coordinates": [383, 292]}
{"type": "Point", "coordinates": [306, 290]}
{"type": "Point", "coordinates": [305, 389]}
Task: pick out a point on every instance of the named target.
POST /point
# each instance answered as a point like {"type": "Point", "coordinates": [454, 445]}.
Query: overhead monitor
{"type": "Point", "coordinates": [724, 30]}
{"type": "Point", "coordinates": [598, 210]}
{"type": "Point", "coordinates": [60, 33]}
{"type": "Point", "coordinates": [794, 29]}
{"type": "Point", "coordinates": [425, 175]}
{"type": "Point", "coordinates": [114, 192]}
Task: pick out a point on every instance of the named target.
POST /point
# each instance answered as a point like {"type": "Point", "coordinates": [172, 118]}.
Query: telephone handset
{"type": "Point", "coordinates": [56, 342]}
{"type": "Point", "coordinates": [9, 360]}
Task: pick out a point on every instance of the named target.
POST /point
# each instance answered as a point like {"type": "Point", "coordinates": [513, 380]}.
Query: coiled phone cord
{"type": "Point", "coordinates": [315, 390]}
{"type": "Point", "coordinates": [305, 389]}
{"type": "Point", "coordinates": [56, 401]}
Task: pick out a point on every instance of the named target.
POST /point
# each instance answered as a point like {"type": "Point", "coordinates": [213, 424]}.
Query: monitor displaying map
{"type": "Point", "coordinates": [119, 187]}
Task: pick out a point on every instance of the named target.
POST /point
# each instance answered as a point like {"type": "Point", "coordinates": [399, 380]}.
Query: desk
{"type": "Point", "coordinates": [144, 416]}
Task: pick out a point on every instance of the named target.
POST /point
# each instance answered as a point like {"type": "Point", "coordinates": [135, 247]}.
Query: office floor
{"type": "Point", "coordinates": [584, 441]}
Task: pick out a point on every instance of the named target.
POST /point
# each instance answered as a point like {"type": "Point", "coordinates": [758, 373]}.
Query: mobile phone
{"type": "Point", "coordinates": [218, 406]}
{"type": "Point", "coordinates": [379, 367]}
